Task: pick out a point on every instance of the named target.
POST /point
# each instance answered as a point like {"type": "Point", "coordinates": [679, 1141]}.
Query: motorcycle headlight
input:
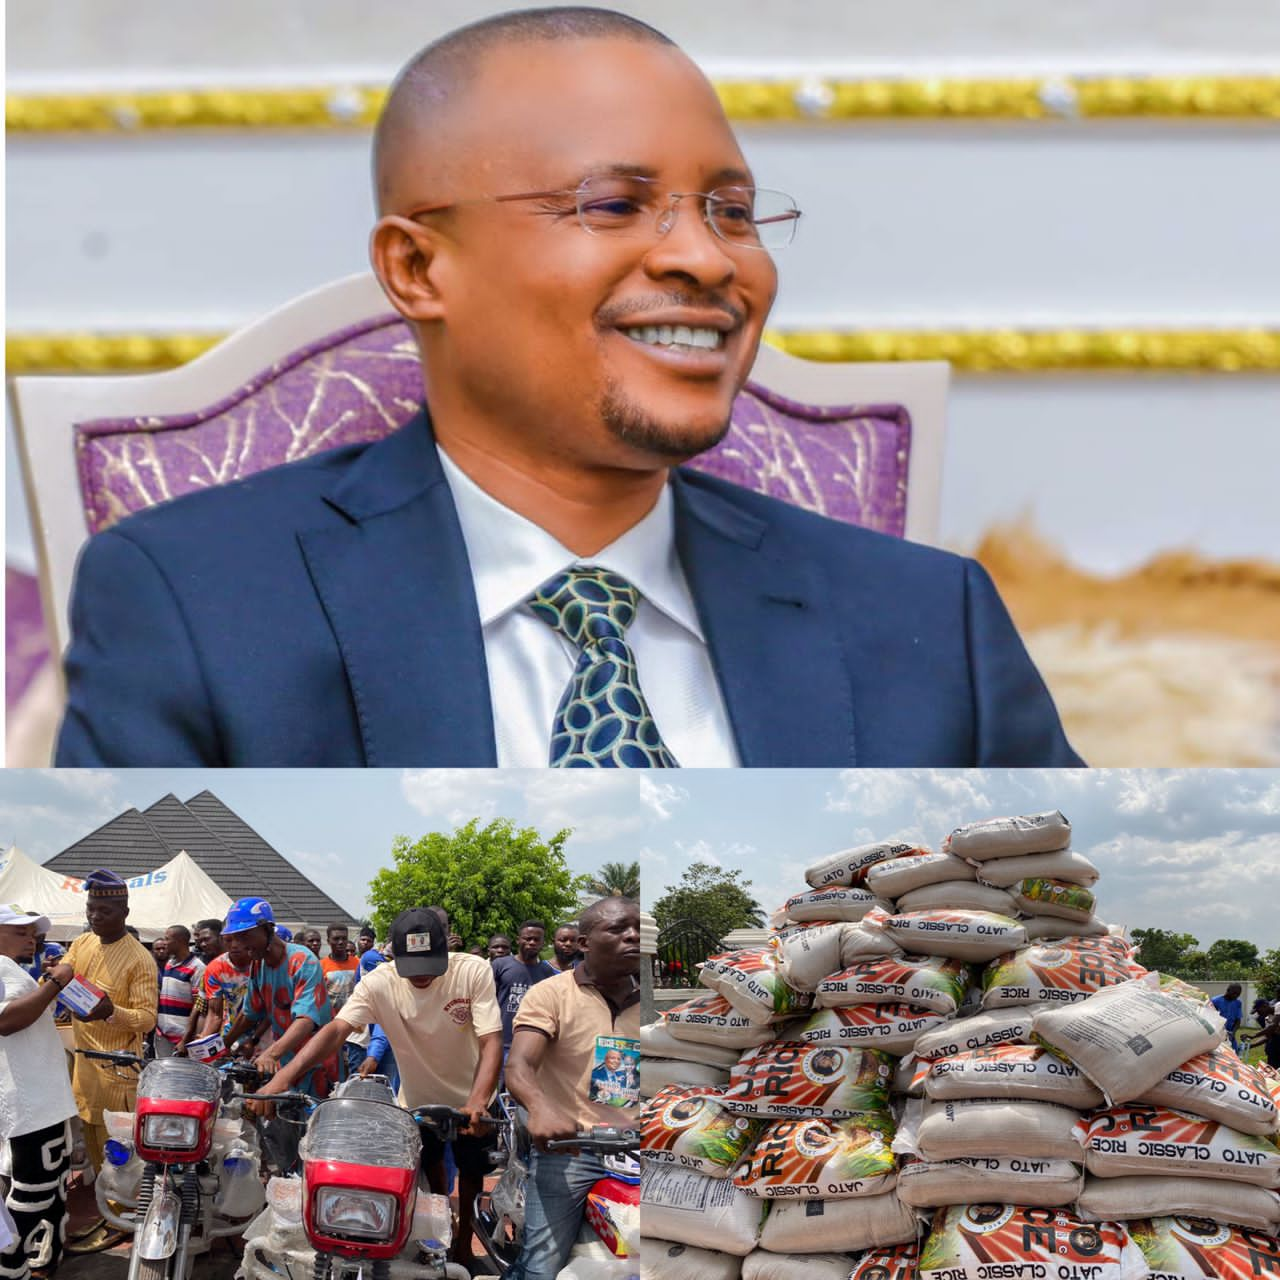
{"type": "Point", "coordinates": [175, 1132]}
{"type": "Point", "coordinates": [364, 1215]}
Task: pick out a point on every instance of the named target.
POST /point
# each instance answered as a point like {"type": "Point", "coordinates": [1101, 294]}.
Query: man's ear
{"type": "Point", "coordinates": [403, 255]}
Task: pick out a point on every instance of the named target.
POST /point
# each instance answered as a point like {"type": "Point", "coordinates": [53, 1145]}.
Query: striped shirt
{"type": "Point", "coordinates": [179, 982]}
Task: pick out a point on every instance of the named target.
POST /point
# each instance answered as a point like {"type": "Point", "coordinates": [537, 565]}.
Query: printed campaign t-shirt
{"type": "Point", "coordinates": [512, 978]}
{"type": "Point", "coordinates": [594, 1055]}
{"type": "Point", "coordinates": [433, 1032]}
{"type": "Point", "coordinates": [339, 978]}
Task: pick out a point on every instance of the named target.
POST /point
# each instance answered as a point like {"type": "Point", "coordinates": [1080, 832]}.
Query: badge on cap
{"type": "Point", "coordinates": [417, 942]}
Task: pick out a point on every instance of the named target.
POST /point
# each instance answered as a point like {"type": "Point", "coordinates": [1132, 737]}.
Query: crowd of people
{"type": "Point", "coordinates": [444, 1024]}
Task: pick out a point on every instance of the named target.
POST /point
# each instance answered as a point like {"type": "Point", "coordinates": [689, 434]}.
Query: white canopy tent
{"type": "Point", "coordinates": [178, 892]}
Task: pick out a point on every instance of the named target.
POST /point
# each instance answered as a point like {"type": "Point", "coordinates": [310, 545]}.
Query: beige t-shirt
{"type": "Point", "coordinates": [433, 1033]}
{"type": "Point", "coordinates": [591, 1055]}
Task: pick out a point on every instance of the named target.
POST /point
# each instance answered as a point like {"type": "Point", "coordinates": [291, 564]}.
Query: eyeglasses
{"type": "Point", "coordinates": [628, 206]}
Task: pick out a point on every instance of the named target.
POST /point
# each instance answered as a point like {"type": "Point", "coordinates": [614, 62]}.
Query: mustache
{"type": "Point", "coordinates": [618, 312]}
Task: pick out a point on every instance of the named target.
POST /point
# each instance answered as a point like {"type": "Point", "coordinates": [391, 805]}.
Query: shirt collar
{"type": "Point", "coordinates": [511, 556]}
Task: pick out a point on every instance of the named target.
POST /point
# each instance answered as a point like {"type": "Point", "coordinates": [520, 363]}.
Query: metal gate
{"type": "Point", "coordinates": [682, 946]}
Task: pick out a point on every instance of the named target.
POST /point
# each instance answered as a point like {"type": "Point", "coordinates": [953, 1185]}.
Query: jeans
{"type": "Point", "coordinates": [554, 1199]}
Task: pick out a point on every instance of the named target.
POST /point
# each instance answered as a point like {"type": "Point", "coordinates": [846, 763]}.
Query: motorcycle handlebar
{"type": "Point", "coordinates": [602, 1141]}
{"type": "Point", "coordinates": [444, 1117]}
{"type": "Point", "coordinates": [121, 1059]}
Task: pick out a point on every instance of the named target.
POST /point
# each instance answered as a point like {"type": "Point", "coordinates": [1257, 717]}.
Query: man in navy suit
{"type": "Point", "coordinates": [521, 576]}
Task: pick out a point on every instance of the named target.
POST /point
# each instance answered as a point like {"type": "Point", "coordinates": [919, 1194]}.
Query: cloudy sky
{"type": "Point", "coordinates": [1196, 851]}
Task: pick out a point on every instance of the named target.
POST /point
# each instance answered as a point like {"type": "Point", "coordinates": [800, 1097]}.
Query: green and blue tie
{"type": "Point", "coordinates": [603, 720]}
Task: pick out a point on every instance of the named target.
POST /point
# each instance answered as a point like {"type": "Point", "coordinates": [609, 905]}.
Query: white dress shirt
{"type": "Point", "coordinates": [530, 663]}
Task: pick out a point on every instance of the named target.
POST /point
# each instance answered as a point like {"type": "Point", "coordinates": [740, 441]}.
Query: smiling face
{"type": "Point", "coordinates": [535, 332]}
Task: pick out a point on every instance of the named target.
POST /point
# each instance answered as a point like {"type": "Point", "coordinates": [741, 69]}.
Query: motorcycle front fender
{"type": "Point", "coordinates": [158, 1235]}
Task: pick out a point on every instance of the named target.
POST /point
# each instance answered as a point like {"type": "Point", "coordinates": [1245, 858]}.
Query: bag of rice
{"type": "Point", "coordinates": [713, 1020]}
{"type": "Point", "coordinates": [686, 1126]}
{"type": "Point", "coordinates": [1065, 864]}
{"type": "Point", "coordinates": [656, 1041]}
{"type": "Point", "coordinates": [1009, 837]}
{"type": "Point", "coordinates": [1010, 1024]}
{"type": "Point", "coordinates": [930, 982]}
{"type": "Point", "coordinates": [988, 1127]}
{"type": "Point", "coordinates": [821, 1159]}
{"type": "Point", "coordinates": [1053, 973]}
{"type": "Point", "coordinates": [1053, 928]}
{"type": "Point", "coordinates": [805, 959]}
{"type": "Point", "coordinates": [959, 895]}
{"type": "Point", "coordinates": [657, 1073]}
{"type": "Point", "coordinates": [691, 1208]}
{"type": "Point", "coordinates": [1008, 1242]}
{"type": "Point", "coordinates": [850, 866]}
{"type": "Point", "coordinates": [1238, 1203]}
{"type": "Point", "coordinates": [662, 1260]}
{"type": "Point", "coordinates": [790, 1078]}
{"type": "Point", "coordinates": [1147, 1140]}
{"type": "Point", "coordinates": [1011, 1071]}
{"type": "Point", "coordinates": [892, 1262]}
{"type": "Point", "coordinates": [1220, 1087]}
{"type": "Point", "coordinates": [820, 1226]}
{"type": "Point", "coordinates": [1128, 1037]}
{"type": "Point", "coordinates": [750, 981]}
{"type": "Point", "coordinates": [762, 1265]}
{"type": "Point", "coordinates": [904, 875]}
{"type": "Point", "coordinates": [966, 935]}
{"type": "Point", "coordinates": [840, 903]}
{"type": "Point", "coordinates": [1025, 1180]}
{"type": "Point", "coordinates": [891, 1027]}
{"type": "Point", "coordinates": [1040, 896]}
{"type": "Point", "coordinates": [1201, 1249]}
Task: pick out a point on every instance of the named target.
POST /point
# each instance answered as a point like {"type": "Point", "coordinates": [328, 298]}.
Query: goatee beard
{"type": "Point", "coordinates": [632, 425]}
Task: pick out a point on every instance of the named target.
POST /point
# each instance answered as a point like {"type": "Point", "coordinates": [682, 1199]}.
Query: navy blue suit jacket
{"type": "Point", "coordinates": [323, 613]}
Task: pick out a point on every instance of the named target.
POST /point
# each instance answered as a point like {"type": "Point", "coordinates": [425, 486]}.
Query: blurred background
{"type": "Point", "coordinates": [1075, 204]}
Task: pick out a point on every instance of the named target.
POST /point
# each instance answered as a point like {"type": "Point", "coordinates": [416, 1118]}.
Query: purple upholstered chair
{"type": "Point", "coordinates": [860, 443]}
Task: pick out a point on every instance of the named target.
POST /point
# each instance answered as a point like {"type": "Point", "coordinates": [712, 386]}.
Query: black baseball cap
{"type": "Point", "coordinates": [418, 944]}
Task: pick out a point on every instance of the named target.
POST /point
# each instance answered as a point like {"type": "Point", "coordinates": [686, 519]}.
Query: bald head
{"type": "Point", "coordinates": [437, 81]}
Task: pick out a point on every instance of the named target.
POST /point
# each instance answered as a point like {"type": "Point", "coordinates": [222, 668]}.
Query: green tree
{"type": "Point", "coordinates": [1165, 951]}
{"type": "Point", "coordinates": [1268, 975]}
{"type": "Point", "coordinates": [1232, 958]}
{"type": "Point", "coordinates": [711, 896]}
{"type": "Point", "coordinates": [616, 880]}
{"type": "Point", "coordinates": [488, 878]}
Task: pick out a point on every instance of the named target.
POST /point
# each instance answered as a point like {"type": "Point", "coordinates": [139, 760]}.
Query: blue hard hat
{"type": "Point", "coordinates": [284, 933]}
{"type": "Point", "coordinates": [247, 913]}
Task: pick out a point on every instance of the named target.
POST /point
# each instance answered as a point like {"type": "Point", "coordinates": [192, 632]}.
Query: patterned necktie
{"type": "Point", "coordinates": [603, 720]}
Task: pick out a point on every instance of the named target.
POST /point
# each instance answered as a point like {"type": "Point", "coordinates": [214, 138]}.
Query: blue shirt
{"type": "Point", "coordinates": [513, 978]}
{"type": "Point", "coordinates": [1232, 1013]}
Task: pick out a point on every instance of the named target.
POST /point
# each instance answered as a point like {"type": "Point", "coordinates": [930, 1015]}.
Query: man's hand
{"type": "Point", "coordinates": [267, 1062]}
{"type": "Point", "coordinates": [61, 973]}
{"type": "Point", "coordinates": [477, 1111]}
{"type": "Point", "coordinates": [548, 1124]}
{"type": "Point", "coordinates": [260, 1107]}
{"type": "Point", "coordinates": [368, 1068]}
{"type": "Point", "coordinates": [103, 1009]}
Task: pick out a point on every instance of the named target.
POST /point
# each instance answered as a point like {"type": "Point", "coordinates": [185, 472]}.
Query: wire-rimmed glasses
{"type": "Point", "coordinates": [631, 206]}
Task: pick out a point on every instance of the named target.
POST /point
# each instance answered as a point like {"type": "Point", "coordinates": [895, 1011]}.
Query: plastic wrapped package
{"type": "Point", "coordinates": [1134, 1196]}
{"type": "Point", "coordinates": [1009, 837]}
{"type": "Point", "coordinates": [691, 1208]}
{"type": "Point", "coordinates": [657, 1040]}
{"type": "Point", "coordinates": [1219, 1086]}
{"type": "Point", "coordinates": [821, 1159]}
{"type": "Point", "coordinates": [762, 1265]}
{"type": "Point", "coordinates": [830, 1226]}
{"type": "Point", "coordinates": [1128, 1037]}
{"type": "Point", "coordinates": [751, 982]}
{"type": "Point", "coordinates": [966, 935]}
{"type": "Point", "coordinates": [1010, 1071]}
{"type": "Point", "coordinates": [929, 982]}
{"type": "Point", "coordinates": [903, 875]}
{"type": "Point", "coordinates": [850, 866]}
{"type": "Point", "coordinates": [790, 1078]}
{"type": "Point", "coordinates": [1054, 973]}
{"type": "Point", "coordinates": [689, 1128]}
{"type": "Point", "coordinates": [807, 957]}
{"type": "Point", "coordinates": [658, 1073]}
{"type": "Point", "coordinates": [1056, 929]}
{"type": "Point", "coordinates": [663, 1260]}
{"type": "Point", "coordinates": [893, 1262]}
{"type": "Point", "coordinates": [1064, 864]}
{"type": "Point", "coordinates": [893, 1028]}
{"type": "Point", "coordinates": [959, 895]}
{"type": "Point", "coordinates": [1012, 1242]}
{"type": "Point", "coordinates": [989, 1127]}
{"type": "Point", "coordinates": [711, 1019]}
{"type": "Point", "coordinates": [1025, 1180]}
{"type": "Point", "coordinates": [1041, 896]}
{"type": "Point", "coordinates": [1009, 1024]}
{"type": "Point", "coordinates": [1201, 1249]}
{"type": "Point", "coordinates": [839, 903]}
{"type": "Point", "coordinates": [1137, 1139]}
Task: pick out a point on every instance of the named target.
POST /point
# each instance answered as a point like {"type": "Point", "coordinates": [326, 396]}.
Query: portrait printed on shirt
{"type": "Point", "coordinates": [615, 1072]}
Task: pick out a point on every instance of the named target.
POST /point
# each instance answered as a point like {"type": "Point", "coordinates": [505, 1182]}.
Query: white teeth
{"type": "Point", "coordinates": [680, 335]}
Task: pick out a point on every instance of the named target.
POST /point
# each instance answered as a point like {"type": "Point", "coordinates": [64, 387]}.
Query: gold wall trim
{"type": "Point", "coordinates": [969, 350]}
{"type": "Point", "coordinates": [813, 98]}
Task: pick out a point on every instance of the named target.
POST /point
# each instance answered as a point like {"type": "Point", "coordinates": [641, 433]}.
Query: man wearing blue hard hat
{"type": "Point", "coordinates": [286, 987]}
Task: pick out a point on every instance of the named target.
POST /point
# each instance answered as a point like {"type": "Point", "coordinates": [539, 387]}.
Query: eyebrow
{"type": "Point", "coordinates": [730, 174]}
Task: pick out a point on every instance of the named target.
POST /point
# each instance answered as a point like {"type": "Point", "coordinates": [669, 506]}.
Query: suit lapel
{"type": "Point", "coordinates": [395, 583]}
{"type": "Point", "coordinates": [782, 671]}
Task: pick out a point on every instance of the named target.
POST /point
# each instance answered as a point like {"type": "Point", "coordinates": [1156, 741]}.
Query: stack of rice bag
{"type": "Point", "coordinates": [951, 1034]}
